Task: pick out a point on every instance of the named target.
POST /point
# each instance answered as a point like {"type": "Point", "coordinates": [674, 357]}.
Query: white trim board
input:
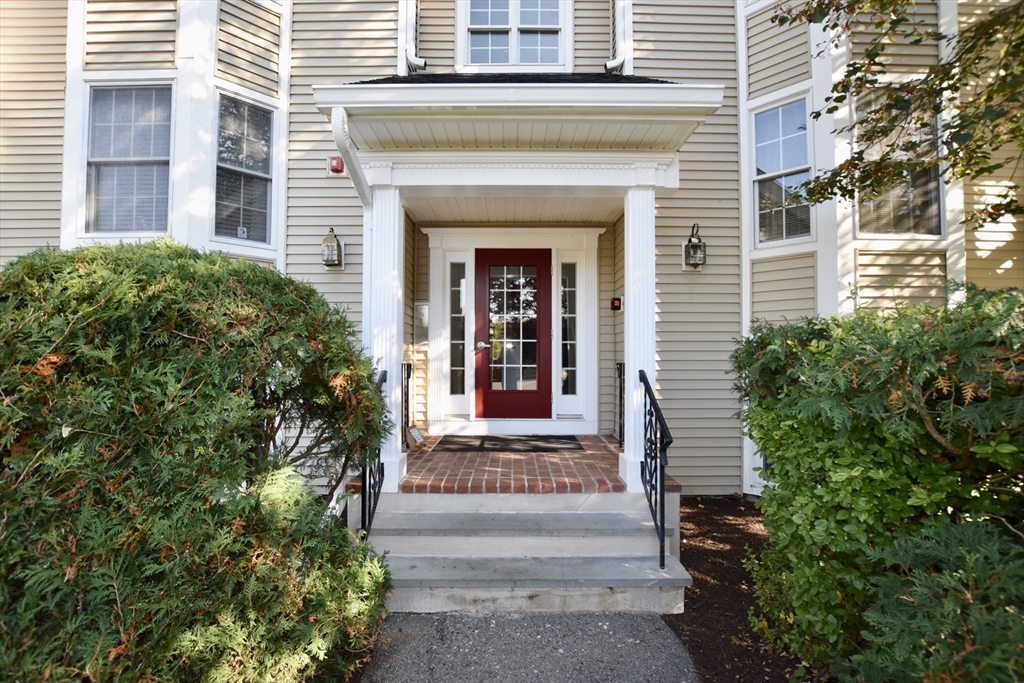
{"type": "Point", "coordinates": [454, 414]}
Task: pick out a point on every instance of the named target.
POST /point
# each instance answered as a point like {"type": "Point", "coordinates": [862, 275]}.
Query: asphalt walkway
{"type": "Point", "coordinates": [562, 647]}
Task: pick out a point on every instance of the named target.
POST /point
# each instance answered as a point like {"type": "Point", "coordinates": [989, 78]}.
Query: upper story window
{"type": "Point", "coordinates": [243, 171]}
{"type": "Point", "coordinates": [128, 168]}
{"type": "Point", "coordinates": [910, 208]}
{"type": "Point", "coordinates": [515, 35]}
{"type": "Point", "coordinates": [781, 167]}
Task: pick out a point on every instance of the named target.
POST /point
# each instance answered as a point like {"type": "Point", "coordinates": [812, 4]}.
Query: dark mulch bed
{"type": "Point", "coordinates": [715, 533]}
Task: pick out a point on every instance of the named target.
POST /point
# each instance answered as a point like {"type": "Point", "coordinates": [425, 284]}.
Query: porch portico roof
{"type": "Point", "coordinates": [520, 112]}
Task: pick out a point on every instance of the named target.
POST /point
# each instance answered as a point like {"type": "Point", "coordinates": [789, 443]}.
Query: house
{"type": "Point", "coordinates": [512, 185]}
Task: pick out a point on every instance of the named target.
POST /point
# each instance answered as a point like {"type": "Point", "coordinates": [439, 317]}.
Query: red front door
{"type": "Point", "coordinates": [513, 333]}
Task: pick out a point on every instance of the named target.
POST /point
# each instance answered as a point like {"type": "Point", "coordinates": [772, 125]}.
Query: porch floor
{"type": "Point", "coordinates": [592, 470]}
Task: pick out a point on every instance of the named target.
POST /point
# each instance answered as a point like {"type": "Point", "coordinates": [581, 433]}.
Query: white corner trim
{"type": "Point", "coordinates": [339, 126]}
{"type": "Point", "coordinates": [76, 125]}
{"type": "Point", "coordinates": [746, 172]}
{"type": "Point", "coordinates": [953, 194]}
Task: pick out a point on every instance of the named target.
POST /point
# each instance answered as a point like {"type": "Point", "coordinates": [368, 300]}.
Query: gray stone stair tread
{"type": "Point", "coordinates": [512, 524]}
{"type": "Point", "coordinates": [531, 572]}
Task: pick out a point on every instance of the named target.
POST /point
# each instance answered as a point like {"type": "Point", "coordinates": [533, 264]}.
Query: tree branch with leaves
{"type": "Point", "coordinates": [963, 117]}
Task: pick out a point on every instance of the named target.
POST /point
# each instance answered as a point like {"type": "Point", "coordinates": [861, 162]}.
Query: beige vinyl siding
{"type": "Point", "coordinates": [611, 26]}
{"type": "Point", "coordinates": [903, 58]}
{"type": "Point", "coordinates": [620, 288]}
{"type": "Point", "coordinates": [435, 40]}
{"type": "Point", "coordinates": [421, 357]}
{"type": "Point", "coordinates": [33, 36]}
{"type": "Point", "coordinates": [609, 262]}
{"type": "Point", "coordinates": [592, 35]}
{"type": "Point", "coordinates": [332, 42]}
{"type": "Point", "coordinates": [887, 278]}
{"type": "Point", "coordinates": [249, 45]}
{"type": "Point", "coordinates": [130, 34]}
{"type": "Point", "coordinates": [777, 56]}
{"type": "Point", "coordinates": [698, 313]}
{"type": "Point", "coordinates": [995, 252]}
{"type": "Point", "coordinates": [783, 288]}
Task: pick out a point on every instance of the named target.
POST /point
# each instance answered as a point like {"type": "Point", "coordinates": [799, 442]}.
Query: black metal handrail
{"type": "Point", "coordinates": [406, 414]}
{"type": "Point", "coordinates": [657, 439]}
{"type": "Point", "coordinates": [620, 375]}
{"type": "Point", "coordinates": [372, 477]}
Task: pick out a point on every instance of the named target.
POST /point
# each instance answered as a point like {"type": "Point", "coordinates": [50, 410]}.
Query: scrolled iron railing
{"type": "Point", "coordinates": [372, 477]}
{"type": "Point", "coordinates": [657, 439]}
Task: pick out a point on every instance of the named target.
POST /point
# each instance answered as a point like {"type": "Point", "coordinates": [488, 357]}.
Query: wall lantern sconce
{"type": "Point", "coordinates": [695, 254]}
{"type": "Point", "coordinates": [332, 251]}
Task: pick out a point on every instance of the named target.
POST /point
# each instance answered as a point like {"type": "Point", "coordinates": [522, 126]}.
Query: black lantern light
{"type": "Point", "coordinates": [695, 254]}
{"type": "Point", "coordinates": [332, 251]}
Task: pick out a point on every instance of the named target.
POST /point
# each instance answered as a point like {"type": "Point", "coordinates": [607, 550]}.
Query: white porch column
{"type": "Point", "coordinates": [385, 295]}
{"type": "Point", "coordinates": [638, 307]}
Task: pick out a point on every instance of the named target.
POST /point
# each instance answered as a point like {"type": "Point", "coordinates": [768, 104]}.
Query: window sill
{"type": "Point", "coordinates": [250, 244]}
{"type": "Point", "coordinates": [782, 244]}
{"type": "Point", "coordinates": [87, 237]}
{"type": "Point", "coordinates": [513, 68]}
{"type": "Point", "coordinates": [899, 237]}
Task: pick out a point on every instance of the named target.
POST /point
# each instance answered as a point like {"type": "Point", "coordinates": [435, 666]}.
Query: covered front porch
{"type": "Point", "coordinates": [455, 175]}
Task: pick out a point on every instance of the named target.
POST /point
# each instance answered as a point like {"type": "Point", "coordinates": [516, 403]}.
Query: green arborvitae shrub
{"type": "Point", "coordinates": [949, 608]}
{"type": "Point", "coordinates": [870, 424]}
{"type": "Point", "coordinates": [155, 403]}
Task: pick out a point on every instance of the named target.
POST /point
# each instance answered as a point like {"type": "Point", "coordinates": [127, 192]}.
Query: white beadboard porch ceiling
{"type": "Point", "coordinates": [520, 116]}
{"type": "Point", "coordinates": [425, 210]}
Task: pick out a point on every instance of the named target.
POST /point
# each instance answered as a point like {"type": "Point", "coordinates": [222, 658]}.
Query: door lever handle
{"type": "Point", "coordinates": [480, 346]}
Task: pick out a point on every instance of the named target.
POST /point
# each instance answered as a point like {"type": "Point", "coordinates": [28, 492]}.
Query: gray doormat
{"type": "Point", "coordinates": [506, 444]}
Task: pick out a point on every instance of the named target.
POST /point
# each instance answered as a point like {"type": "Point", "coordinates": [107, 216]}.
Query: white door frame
{"type": "Point", "coordinates": [576, 414]}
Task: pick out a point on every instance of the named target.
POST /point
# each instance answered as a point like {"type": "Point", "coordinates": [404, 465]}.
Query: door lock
{"type": "Point", "coordinates": [480, 346]}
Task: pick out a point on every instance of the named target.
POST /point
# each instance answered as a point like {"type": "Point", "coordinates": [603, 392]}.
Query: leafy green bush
{"type": "Point", "coordinates": [870, 424]}
{"type": "Point", "coordinates": [950, 608]}
{"type": "Point", "coordinates": [154, 405]}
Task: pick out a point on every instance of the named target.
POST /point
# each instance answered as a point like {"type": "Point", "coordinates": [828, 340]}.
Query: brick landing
{"type": "Point", "coordinates": [593, 470]}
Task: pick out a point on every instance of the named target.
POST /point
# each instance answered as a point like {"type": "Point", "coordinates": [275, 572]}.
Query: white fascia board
{"type": "Point", "coordinates": [566, 173]}
{"type": "Point", "coordinates": [361, 99]}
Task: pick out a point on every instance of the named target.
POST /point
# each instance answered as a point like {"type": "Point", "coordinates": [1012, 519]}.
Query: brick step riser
{"type": "Point", "coordinates": [513, 502]}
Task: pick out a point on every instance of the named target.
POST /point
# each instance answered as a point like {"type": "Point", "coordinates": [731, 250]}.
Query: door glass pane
{"type": "Point", "coordinates": [513, 327]}
{"type": "Point", "coordinates": [568, 280]}
{"type": "Point", "coordinates": [457, 327]}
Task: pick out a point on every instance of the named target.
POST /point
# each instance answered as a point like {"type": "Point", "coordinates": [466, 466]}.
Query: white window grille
{"type": "Point", "coordinates": [128, 167]}
{"type": "Point", "coordinates": [516, 34]}
{"type": "Point", "coordinates": [243, 171]}
{"type": "Point", "coordinates": [781, 167]}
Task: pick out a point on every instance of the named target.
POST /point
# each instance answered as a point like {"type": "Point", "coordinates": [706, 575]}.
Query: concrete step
{"type": "Point", "coordinates": [526, 534]}
{"type": "Point", "coordinates": [526, 552]}
{"type": "Point", "coordinates": [498, 583]}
